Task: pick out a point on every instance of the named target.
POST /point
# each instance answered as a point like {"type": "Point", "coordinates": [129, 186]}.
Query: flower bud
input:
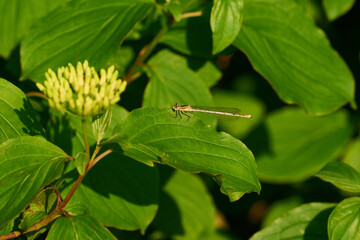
{"type": "Point", "coordinates": [80, 90]}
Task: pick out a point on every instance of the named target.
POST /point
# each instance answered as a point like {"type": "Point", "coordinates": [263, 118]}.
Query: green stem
{"type": "Point", "coordinates": [144, 54]}
{"type": "Point", "coordinates": [87, 148]}
{"type": "Point", "coordinates": [96, 151]}
{"type": "Point", "coordinates": [104, 154]}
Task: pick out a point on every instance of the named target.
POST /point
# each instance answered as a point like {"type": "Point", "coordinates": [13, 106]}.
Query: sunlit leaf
{"type": "Point", "coordinates": [26, 165]}
{"type": "Point", "coordinates": [187, 211]}
{"type": "Point", "coordinates": [78, 227]}
{"type": "Point", "coordinates": [226, 19]}
{"type": "Point", "coordinates": [341, 175]}
{"type": "Point", "coordinates": [291, 146]}
{"type": "Point", "coordinates": [149, 135]}
{"type": "Point", "coordinates": [190, 36]}
{"type": "Point", "coordinates": [171, 80]}
{"type": "Point", "coordinates": [17, 16]}
{"type": "Point", "coordinates": [336, 8]}
{"type": "Point", "coordinates": [120, 192]}
{"type": "Point", "coordinates": [344, 220]}
{"type": "Point", "coordinates": [308, 221]}
{"type": "Point", "coordinates": [17, 117]}
{"type": "Point", "coordinates": [352, 154]}
{"type": "Point", "coordinates": [285, 46]}
{"type": "Point", "coordinates": [81, 30]}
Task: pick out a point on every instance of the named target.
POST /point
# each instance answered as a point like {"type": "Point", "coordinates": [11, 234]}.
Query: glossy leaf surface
{"type": "Point", "coordinates": [81, 30]}
{"type": "Point", "coordinates": [286, 47]}
{"type": "Point", "coordinates": [149, 135]}
{"type": "Point", "coordinates": [26, 165]}
{"type": "Point", "coordinates": [344, 220]}
{"type": "Point", "coordinates": [17, 117]}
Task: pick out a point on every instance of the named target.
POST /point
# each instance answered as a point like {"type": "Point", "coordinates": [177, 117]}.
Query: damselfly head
{"type": "Point", "coordinates": [176, 106]}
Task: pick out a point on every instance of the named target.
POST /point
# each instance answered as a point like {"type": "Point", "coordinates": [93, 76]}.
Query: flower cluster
{"type": "Point", "coordinates": [81, 90]}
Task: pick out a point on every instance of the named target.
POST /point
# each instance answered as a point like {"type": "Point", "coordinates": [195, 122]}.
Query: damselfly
{"type": "Point", "coordinates": [185, 109]}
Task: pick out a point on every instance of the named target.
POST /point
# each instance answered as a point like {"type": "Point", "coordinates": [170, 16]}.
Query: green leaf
{"type": "Point", "coordinates": [247, 104]}
{"type": "Point", "coordinates": [177, 7]}
{"type": "Point", "coordinates": [100, 124]}
{"type": "Point", "coordinates": [226, 19]}
{"type": "Point", "coordinates": [87, 29]}
{"type": "Point", "coordinates": [39, 208]}
{"type": "Point", "coordinates": [80, 162]}
{"type": "Point", "coordinates": [352, 154]}
{"type": "Point", "coordinates": [16, 17]}
{"type": "Point", "coordinates": [34, 163]}
{"type": "Point", "coordinates": [341, 175]}
{"type": "Point", "coordinates": [292, 146]}
{"type": "Point", "coordinates": [78, 227]}
{"type": "Point", "coordinates": [206, 70]}
{"type": "Point", "coordinates": [124, 57]}
{"type": "Point", "coordinates": [31, 217]}
{"type": "Point", "coordinates": [17, 117]}
{"type": "Point", "coordinates": [191, 36]}
{"type": "Point", "coordinates": [336, 8]}
{"type": "Point", "coordinates": [120, 192]}
{"type": "Point", "coordinates": [149, 135]}
{"type": "Point", "coordinates": [221, 234]}
{"type": "Point", "coordinates": [7, 228]}
{"type": "Point", "coordinates": [174, 7]}
{"type": "Point", "coordinates": [77, 138]}
{"type": "Point", "coordinates": [75, 208]}
{"type": "Point", "coordinates": [308, 221]}
{"type": "Point", "coordinates": [286, 47]}
{"type": "Point", "coordinates": [344, 220]}
{"type": "Point", "coordinates": [279, 208]}
{"type": "Point", "coordinates": [186, 210]}
{"type": "Point", "coordinates": [171, 80]}
{"type": "Point", "coordinates": [302, 3]}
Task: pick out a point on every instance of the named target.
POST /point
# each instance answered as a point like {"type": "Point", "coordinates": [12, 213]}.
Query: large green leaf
{"type": "Point", "coordinates": [344, 220]}
{"type": "Point", "coordinates": [206, 70]}
{"type": "Point", "coordinates": [17, 16]}
{"type": "Point", "coordinates": [149, 135]}
{"type": "Point", "coordinates": [26, 165]}
{"type": "Point", "coordinates": [78, 227]}
{"type": "Point", "coordinates": [308, 221]}
{"type": "Point", "coordinates": [352, 154]}
{"type": "Point", "coordinates": [186, 210]}
{"type": "Point", "coordinates": [175, 7]}
{"type": "Point", "coordinates": [247, 104]}
{"type": "Point", "coordinates": [7, 228]}
{"type": "Point", "coordinates": [84, 29]}
{"type": "Point", "coordinates": [341, 175]}
{"type": "Point", "coordinates": [120, 192]}
{"type": "Point", "coordinates": [226, 19]}
{"type": "Point", "coordinates": [178, 7]}
{"type": "Point", "coordinates": [279, 208]}
{"type": "Point", "coordinates": [292, 146]}
{"type": "Point", "coordinates": [286, 47]}
{"type": "Point", "coordinates": [191, 36]}
{"type": "Point", "coordinates": [336, 8]}
{"type": "Point", "coordinates": [17, 117]}
{"type": "Point", "coordinates": [171, 80]}
{"type": "Point", "coordinates": [71, 128]}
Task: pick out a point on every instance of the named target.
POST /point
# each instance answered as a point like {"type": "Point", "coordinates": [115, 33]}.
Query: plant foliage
{"type": "Point", "coordinates": [74, 163]}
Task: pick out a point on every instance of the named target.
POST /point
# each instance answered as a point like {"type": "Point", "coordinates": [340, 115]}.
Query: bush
{"type": "Point", "coordinates": [77, 163]}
